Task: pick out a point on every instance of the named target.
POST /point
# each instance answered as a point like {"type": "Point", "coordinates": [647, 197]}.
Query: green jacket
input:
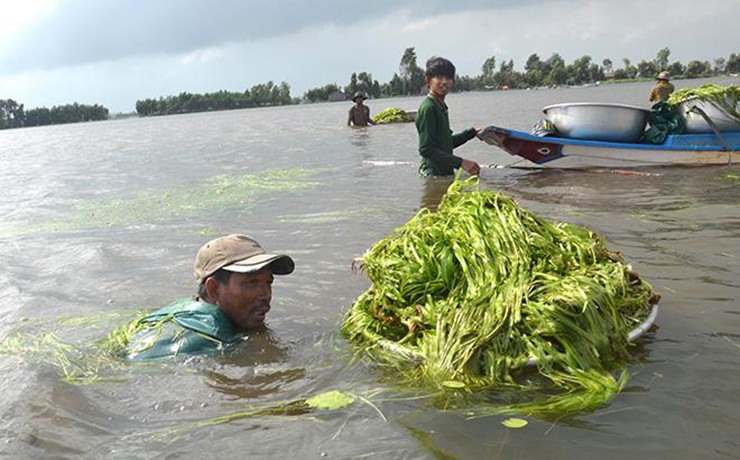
{"type": "Point", "coordinates": [436, 140]}
{"type": "Point", "coordinates": [186, 326]}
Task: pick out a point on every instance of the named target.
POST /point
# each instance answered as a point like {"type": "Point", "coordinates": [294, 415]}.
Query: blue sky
{"type": "Point", "coordinates": [114, 52]}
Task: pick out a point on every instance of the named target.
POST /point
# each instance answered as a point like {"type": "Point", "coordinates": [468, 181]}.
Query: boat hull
{"type": "Point", "coordinates": [557, 152]}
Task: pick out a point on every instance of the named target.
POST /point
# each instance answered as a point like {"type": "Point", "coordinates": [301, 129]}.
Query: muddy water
{"type": "Point", "coordinates": [101, 220]}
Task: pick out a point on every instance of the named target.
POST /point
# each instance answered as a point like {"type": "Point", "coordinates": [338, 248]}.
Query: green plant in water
{"type": "Point", "coordinates": [725, 97]}
{"type": "Point", "coordinates": [393, 115]}
{"type": "Point", "coordinates": [79, 363]}
{"type": "Point", "coordinates": [469, 296]}
{"type": "Point", "coordinates": [157, 205]}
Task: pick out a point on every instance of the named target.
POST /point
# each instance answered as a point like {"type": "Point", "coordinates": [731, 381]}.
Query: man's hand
{"type": "Point", "coordinates": [471, 167]}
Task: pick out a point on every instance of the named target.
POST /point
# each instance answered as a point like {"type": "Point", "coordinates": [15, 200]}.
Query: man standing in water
{"type": "Point", "coordinates": [662, 89]}
{"type": "Point", "coordinates": [359, 114]}
{"type": "Point", "coordinates": [234, 275]}
{"type": "Point", "coordinates": [436, 140]}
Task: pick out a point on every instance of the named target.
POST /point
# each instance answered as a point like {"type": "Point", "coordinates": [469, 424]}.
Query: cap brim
{"type": "Point", "coordinates": [279, 263]}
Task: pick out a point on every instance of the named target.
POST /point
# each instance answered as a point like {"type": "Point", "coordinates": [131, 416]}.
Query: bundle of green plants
{"type": "Point", "coordinates": [483, 293]}
{"type": "Point", "coordinates": [725, 97]}
{"type": "Point", "coordinates": [393, 115]}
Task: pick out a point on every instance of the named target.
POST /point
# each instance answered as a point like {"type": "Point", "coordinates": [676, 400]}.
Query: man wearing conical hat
{"type": "Point", "coordinates": [662, 89]}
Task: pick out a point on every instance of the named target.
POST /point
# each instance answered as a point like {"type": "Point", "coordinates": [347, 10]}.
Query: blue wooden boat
{"type": "Point", "coordinates": [563, 152]}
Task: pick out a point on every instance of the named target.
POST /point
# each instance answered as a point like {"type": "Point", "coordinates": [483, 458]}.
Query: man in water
{"type": "Point", "coordinates": [359, 114]}
{"type": "Point", "coordinates": [662, 89]}
{"type": "Point", "coordinates": [235, 276]}
{"type": "Point", "coordinates": [436, 140]}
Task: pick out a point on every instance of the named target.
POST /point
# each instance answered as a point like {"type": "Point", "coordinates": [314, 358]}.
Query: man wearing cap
{"type": "Point", "coordinates": [359, 114]}
{"type": "Point", "coordinates": [662, 89]}
{"type": "Point", "coordinates": [234, 275]}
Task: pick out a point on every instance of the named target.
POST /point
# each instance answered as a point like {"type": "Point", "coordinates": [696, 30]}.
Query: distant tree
{"type": "Point", "coordinates": [351, 88]}
{"type": "Point", "coordinates": [661, 60]}
{"type": "Point", "coordinates": [608, 65]}
{"type": "Point", "coordinates": [465, 83]}
{"type": "Point", "coordinates": [411, 74]}
{"type": "Point", "coordinates": [376, 89]}
{"type": "Point", "coordinates": [719, 65]}
{"type": "Point", "coordinates": [630, 71]}
{"type": "Point", "coordinates": [676, 69]}
{"type": "Point", "coordinates": [580, 71]}
{"type": "Point", "coordinates": [507, 77]}
{"type": "Point", "coordinates": [647, 69]}
{"type": "Point", "coordinates": [533, 75]}
{"type": "Point", "coordinates": [557, 73]}
{"type": "Point", "coordinates": [38, 117]}
{"type": "Point", "coordinates": [488, 70]}
{"type": "Point", "coordinates": [395, 87]}
{"type": "Point", "coordinates": [733, 63]}
{"type": "Point", "coordinates": [697, 69]}
{"type": "Point", "coordinates": [321, 94]}
{"type": "Point", "coordinates": [11, 114]}
{"type": "Point", "coordinates": [365, 83]}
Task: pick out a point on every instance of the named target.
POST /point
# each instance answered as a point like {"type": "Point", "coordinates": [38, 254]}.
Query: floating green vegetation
{"type": "Point", "coordinates": [726, 97]}
{"type": "Point", "coordinates": [394, 115]}
{"type": "Point", "coordinates": [327, 401]}
{"type": "Point", "coordinates": [185, 201]}
{"type": "Point", "coordinates": [82, 363]}
{"type": "Point", "coordinates": [731, 177]}
{"type": "Point", "coordinates": [469, 297]}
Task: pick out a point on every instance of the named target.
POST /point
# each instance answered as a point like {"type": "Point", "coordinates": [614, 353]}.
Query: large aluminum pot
{"type": "Point", "coordinates": [695, 123]}
{"type": "Point", "coordinates": [598, 121]}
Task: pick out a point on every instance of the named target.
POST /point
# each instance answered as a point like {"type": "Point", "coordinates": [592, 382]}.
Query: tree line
{"type": "Point", "coordinates": [260, 95]}
{"type": "Point", "coordinates": [553, 71]}
{"type": "Point", "coordinates": [408, 81]}
{"type": "Point", "coordinates": [14, 115]}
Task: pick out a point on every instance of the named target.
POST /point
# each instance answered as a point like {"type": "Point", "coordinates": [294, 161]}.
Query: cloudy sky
{"type": "Point", "coordinates": [114, 52]}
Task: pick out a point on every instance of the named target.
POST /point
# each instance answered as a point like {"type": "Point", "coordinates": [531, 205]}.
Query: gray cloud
{"type": "Point", "coordinates": [87, 31]}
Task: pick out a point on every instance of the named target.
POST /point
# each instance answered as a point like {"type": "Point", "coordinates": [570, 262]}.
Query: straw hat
{"type": "Point", "coordinates": [663, 76]}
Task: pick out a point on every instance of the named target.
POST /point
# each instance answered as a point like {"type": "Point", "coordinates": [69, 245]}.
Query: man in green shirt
{"type": "Point", "coordinates": [235, 276]}
{"type": "Point", "coordinates": [436, 140]}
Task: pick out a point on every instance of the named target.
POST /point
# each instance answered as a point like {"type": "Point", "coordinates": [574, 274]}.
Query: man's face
{"type": "Point", "coordinates": [440, 86]}
{"type": "Point", "coordinates": [245, 299]}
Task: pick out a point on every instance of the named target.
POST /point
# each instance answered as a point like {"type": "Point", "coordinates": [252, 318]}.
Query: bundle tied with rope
{"type": "Point", "coordinates": [479, 289]}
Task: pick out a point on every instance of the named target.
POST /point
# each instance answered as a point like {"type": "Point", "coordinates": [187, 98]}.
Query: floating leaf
{"type": "Point", "coordinates": [330, 400]}
{"type": "Point", "coordinates": [453, 384]}
{"type": "Point", "coordinates": [514, 423]}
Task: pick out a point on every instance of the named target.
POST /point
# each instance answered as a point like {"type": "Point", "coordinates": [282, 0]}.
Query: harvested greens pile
{"type": "Point", "coordinates": [393, 115]}
{"type": "Point", "coordinates": [725, 97]}
{"type": "Point", "coordinates": [466, 296]}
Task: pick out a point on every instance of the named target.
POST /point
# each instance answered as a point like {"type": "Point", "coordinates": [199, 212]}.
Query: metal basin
{"type": "Point", "coordinates": [695, 123]}
{"type": "Point", "coordinates": [598, 121]}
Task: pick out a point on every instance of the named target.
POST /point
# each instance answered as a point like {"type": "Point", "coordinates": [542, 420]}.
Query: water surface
{"type": "Point", "coordinates": [100, 220]}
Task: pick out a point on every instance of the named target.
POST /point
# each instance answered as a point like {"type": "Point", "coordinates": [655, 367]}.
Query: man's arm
{"type": "Point", "coordinates": [369, 118]}
{"type": "Point", "coordinates": [463, 137]}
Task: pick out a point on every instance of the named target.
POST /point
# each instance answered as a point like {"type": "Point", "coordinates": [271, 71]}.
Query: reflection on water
{"type": "Point", "coordinates": [360, 136]}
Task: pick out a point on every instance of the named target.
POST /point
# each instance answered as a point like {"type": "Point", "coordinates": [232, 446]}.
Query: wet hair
{"type": "Point", "coordinates": [440, 67]}
{"type": "Point", "coordinates": [221, 275]}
